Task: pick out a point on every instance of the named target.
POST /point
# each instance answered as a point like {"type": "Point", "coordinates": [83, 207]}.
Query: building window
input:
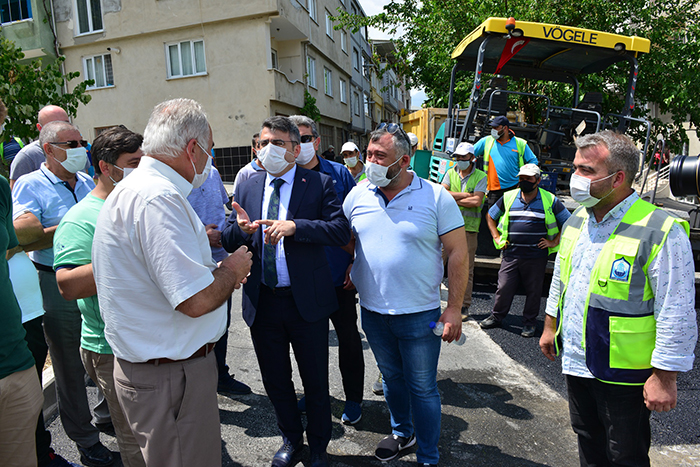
{"type": "Point", "coordinates": [344, 41]}
{"type": "Point", "coordinates": [312, 9]}
{"type": "Point", "coordinates": [355, 59]}
{"type": "Point", "coordinates": [311, 71]}
{"type": "Point", "coordinates": [186, 58]}
{"type": "Point", "coordinates": [273, 54]}
{"type": "Point", "coordinates": [343, 91]}
{"type": "Point", "coordinates": [89, 16]}
{"type": "Point", "coordinates": [356, 103]}
{"type": "Point", "coordinates": [99, 69]}
{"type": "Point", "coordinates": [15, 10]}
{"type": "Point", "coordinates": [367, 110]}
{"type": "Point", "coordinates": [329, 25]}
{"type": "Point", "coordinates": [328, 81]}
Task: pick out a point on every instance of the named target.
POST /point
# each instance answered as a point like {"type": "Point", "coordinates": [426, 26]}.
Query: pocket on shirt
{"type": "Point", "coordinates": [632, 341]}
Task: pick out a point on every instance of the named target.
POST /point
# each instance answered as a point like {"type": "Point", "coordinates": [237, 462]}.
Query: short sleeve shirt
{"type": "Point", "coordinates": [398, 264]}
{"type": "Point", "coordinates": [72, 245]}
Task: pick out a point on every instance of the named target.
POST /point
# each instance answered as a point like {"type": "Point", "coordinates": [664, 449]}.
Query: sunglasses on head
{"type": "Point", "coordinates": [393, 128]}
{"type": "Point", "coordinates": [73, 143]}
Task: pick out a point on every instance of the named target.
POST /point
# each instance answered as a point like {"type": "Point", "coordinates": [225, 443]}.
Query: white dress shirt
{"type": "Point", "coordinates": [285, 196]}
{"type": "Point", "coordinates": [151, 253]}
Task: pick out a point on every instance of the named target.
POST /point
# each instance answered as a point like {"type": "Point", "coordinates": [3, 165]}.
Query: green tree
{"type": "Point", "coordinates": [310, 109]}
{"type": "Point", "coordinates": [428, 31]}
{"type": "Point", "coordinates": [27, 87]}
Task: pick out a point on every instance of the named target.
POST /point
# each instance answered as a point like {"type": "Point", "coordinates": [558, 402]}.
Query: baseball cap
{"type": "Point", "coordinates": [529, 170]}
{"type": "Point", "coordinates": [500, 120]}
{"type": "Point", "coordinates": [349, 147]}
{"type": "Point", "coordinates": [463, 149]}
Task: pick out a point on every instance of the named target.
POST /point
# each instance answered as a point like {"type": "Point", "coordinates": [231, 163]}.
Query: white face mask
{"type": "Point", "coordinates": [307, 153]}
{"type": "Point", "coordinates": [125, 171]}
{"type": "Point", "coordinates": [199, 179]}
{"type": "Point", "coordinates": [463, 165]}
{"type": "Point", "coordinates": [76, 158]}
{"type": "Point", "coordinates": [351, 161]}
{"type": "Point", "coordinates": [272, 159]}
{"type": "Point", "coordinates": [376, 174]}
{"type": "Point", "coordinates": [494, 133]}
{"type": "Point", "coordinates": [581, 190]}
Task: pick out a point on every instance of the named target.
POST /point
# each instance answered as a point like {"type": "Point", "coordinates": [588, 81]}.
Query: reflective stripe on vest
{"type": "Point", "coordinates": [471, 216]}
{"type": "Point", "coordinates": [550, 219]}
{"type": "Point", "coordinates": [619, 328]}
{"type": "Point", "coordinates": [520, 144]}
{"type": "Point", "coordinates": [2, 147]}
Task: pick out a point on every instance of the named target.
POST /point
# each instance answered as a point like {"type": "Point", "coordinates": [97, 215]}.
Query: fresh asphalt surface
{"type": "Point", "coordinates": [503, 404]}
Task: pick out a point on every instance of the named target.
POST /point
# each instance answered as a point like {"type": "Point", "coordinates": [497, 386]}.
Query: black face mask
{"type": "Point", "coordinates": [526, 186]}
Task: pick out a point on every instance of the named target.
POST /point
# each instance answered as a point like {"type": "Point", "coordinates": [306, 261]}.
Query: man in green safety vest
{"type": "Point", "coordinates": [467, 185]}
{"type": "Point", "coordinates": [529, 223]}
{"type": "Point", "coordinates": [620, 307]}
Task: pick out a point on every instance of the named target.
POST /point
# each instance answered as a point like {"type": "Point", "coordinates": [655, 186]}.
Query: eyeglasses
{"type": "Point", "coordinates": [393, 128]}
{"type": "Point", "coordinates": [73, 143]}
{"type": "Point", "coordinates": [307, 138]}
{"type": "Point", "coordinates": [277, 142]}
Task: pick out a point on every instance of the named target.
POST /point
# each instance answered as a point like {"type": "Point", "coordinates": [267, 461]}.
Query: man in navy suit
{"type": "Point", "coordinates": [289, 294]}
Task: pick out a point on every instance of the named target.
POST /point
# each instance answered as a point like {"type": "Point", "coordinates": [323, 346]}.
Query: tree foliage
{"type": "Point", "coordinates": [27, 87]}
{"type": "Point", "coordinates": [310, 109]}
{"type": "Point", "coordinates": [428, 31]}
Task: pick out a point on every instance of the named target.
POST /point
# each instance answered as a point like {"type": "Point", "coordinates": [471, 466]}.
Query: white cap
{"type": "Point", "coordinates": [530, 170]}
{"type": "Point", "coordinates": [412, 138]}
{"type": "Point", "coordinates": [463, 149]}
{"type": "Point", "coordinates": [349, 147]}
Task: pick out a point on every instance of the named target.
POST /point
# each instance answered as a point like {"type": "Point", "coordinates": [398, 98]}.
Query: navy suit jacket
{"type": "Point", "coordinates": [319, 219]}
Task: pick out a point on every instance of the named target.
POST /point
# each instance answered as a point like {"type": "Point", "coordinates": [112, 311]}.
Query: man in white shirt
{"type": "Point", "coordinates": [621, 304]}
{"type": "Point", "coordinates": [162, 295]}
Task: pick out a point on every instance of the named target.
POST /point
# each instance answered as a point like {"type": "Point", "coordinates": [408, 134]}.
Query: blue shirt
{"type": "Point", "coordinates": [526, 225]}
{"type": "Point", "coordinates": [49, 198]}
{"type": "Point", "coordinates": [208, 202]}
{"type": "Point", "coordinates": [338, 259]}
{"type": "Point", "coordinates": [505, 161]}
{"type": "Point", "coordinates": [398, 262]}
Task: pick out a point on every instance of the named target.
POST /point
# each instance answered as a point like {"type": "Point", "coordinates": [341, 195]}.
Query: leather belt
{"type": "Point", "coordinates": [279, 291]}
{"type": "Point", "coordinates": [202, 352]}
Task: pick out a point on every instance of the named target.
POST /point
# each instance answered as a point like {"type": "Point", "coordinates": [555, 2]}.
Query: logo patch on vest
{"type": "Point", "coordinates": [620, 270]}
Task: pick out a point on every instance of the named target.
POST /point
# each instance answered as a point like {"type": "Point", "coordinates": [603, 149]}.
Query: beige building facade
{"type": "Point", "coordinates": [243, 60]}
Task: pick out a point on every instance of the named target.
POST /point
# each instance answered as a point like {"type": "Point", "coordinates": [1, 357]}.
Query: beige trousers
{"type": "Point", "coordinates": [21, 399]}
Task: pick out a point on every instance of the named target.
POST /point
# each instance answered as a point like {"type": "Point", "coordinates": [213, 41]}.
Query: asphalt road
{"type": "Point", "coordinates": [502, 405]}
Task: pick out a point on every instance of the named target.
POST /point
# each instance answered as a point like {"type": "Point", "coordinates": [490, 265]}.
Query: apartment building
{"type": "Point", "coordinates": [243, 60]}
{"type": "Point", "coordinates": [26, 23]}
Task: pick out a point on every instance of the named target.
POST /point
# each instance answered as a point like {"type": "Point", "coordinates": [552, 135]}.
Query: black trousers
{"type": "Point", "coordinates": [611, 421]}
{"type": "Point", "coordinates": [277, 325]}
{"type": "Point", "coordinates": [221, 344]}
{"type": "Point", "coordinates": [350, 356]}
{"type": "Point", "coordinates": [514, 271]}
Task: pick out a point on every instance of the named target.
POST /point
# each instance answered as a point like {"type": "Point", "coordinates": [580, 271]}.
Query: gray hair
{"type": "Point", "coordinates": [303, 120]}
{"type": "Point", "coordinates": [624, 155]}
{"type": "Point", "coordinates": [172, 125]}
{"type": "Point", "coordinates": [284, 125]}
{"type": "Point", "coordinates": [401, 142]}
{"type": "Point", "coordinates": [49, 132]}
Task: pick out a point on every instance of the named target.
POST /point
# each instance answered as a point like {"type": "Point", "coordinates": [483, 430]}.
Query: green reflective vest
{"type": "Point", "coordinates": [471, 216]}
{"type": "Point", "coordinates": [520, 143]}
{"type": "Point", "coordinates": [619, 327]}
{"type": "Point", "coordinates": [550, 220]}
{"type": "Point", "coordinates": [2, 147]}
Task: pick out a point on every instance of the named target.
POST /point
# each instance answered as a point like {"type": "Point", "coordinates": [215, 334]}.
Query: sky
{"type": "Point", "coordinates": [372, 7]}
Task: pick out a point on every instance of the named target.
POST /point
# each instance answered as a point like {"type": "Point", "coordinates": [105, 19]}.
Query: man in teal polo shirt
{"type": "Point", "coordinates": [116, 152]}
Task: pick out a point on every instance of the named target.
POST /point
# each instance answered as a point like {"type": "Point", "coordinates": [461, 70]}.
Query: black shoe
{"type": "Point", "coordinates": [106, 428]}
{"type": "Point", "coordinates": [490, 322]}
{"type": "Point", "coordinates": [231, 387]}
{"type": "Point", "coordinates": [96, 456]}
{"type": "Point", "coordinates": [286, 455]}
{"type": "Point", "coordinates": [392, 445]}
{"type": "Point", "coordinates": [528, 331]}
{"type": "Point", "coordinates": [319, 459]}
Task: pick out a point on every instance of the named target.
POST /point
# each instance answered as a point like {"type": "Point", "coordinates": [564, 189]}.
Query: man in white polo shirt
{"type": "Point", "coordinates": [400, 221]}
{"type": "Point", "coordinates": [162, 295]}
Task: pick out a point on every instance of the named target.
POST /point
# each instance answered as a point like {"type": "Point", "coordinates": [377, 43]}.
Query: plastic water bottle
{"type": "Point", "coordinates": [440, 326]}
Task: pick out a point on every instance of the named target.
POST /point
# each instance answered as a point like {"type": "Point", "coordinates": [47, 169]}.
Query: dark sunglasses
{"type": "Point", "coordinates": [393, 128]}
{"type": "Point", "coordinates": [277, 142]}
{"type": "Point", "coordinates": [307, 138]}
{"type": "Point", "coordinates": [73, 143]}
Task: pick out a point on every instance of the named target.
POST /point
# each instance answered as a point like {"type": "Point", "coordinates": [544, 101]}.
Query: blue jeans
{"type": "Point", "coordinates": [407, 354]}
